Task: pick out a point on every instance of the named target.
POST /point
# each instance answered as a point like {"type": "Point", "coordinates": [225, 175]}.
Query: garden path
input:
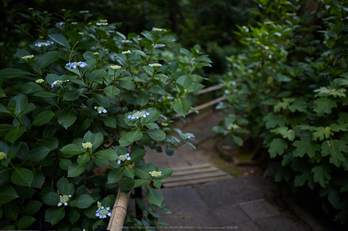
{"type": "Point", "coordinates": [216, 200]}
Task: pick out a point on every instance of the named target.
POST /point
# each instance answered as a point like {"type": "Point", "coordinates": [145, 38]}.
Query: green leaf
{"type": "Point", "coordinates": [153, 117]}
{"type": "Point", "coordinates": [301, 179]}
{"type": "Point", "coordinates": [182, 106]}
{"type": "Point", "coordinates": [39, 179]}
{"type": "Point", "coordinates": [72, 95]}
{"type": "Point", "coordinates": [165, 173]}
{"type": "Point", "coordinates": [157, 183]}
{"type": "Point", "coordinates": [106, 154]}
{"type": "Point", "coordinates": [48, 58]}
{"type": "Point", "coordinates": [60, 39]}
{"type": "Point", "coordinates": [336, 149]}
{"type": "Point", "coordinates": [25, 221]}
{"type": "Point", "coordinates": [305, 146]}
{"type": "Point", "coordinates": [285, 132]}
{"type": "Point", "coordinates": [321, 133]}
{"type": "Point", "coordinates": [137, 154]}
{"type": "Point", "coordinates": [32, 207]}
{"type": "Point", "coordinates": [37, 154]}
{"type": "Point", "coordinates": [110, 122]}
{"type": "Point", "coordinates": [142, 171]}
{"type": "Point", "coordinates": [115, 175]}
{"type": "Point", "coordinates": [75, 170]}
{"type": "Point", "coordinates": [134, 135]}
{"type": "Point", "coordinates": [111, 91]}
{"type": "Point", "coordinates": [126, 184]}
{"type": "Point", "coordinates": [96, 139]}
{"type": "Point", "coordinates": [15, 133]}
{"type": "Point", "coordinates": [51, 198]}
{"type": "Point", "coordinates": [67, 118]}
{"type": "Point", "coordinates": [237, 140]}
{"type": "Point", "coordinates": [277, 146]}
{"type": "Point", "coordinates": [43, 118]}
{"type": "Point", "coordinates": [65, 187]}
{"type": "Point", "coordinates": [71, 150]}
{"type": "Point", "coordinates": [54, 215]}
{"type": "Point", "coordinates": [82, 202]}
{"type": "Point", "coordinates": [64, 164]}
{"type": "Point", "coordinates": [156, 134]}
{"type": "Point", "coordinates": [83, 159]}
{"type": "Point", "coordinates": [324, 106]}
{"type": "Point", "coordinates": [11, 211]}
{"type": "Point", "coordinates": [141, 182]}
{"type": "Point", "coordinates": [157, 90]}
{"type": "Point", "coordinates": [129, 172]}
{"type": "Point", "coordinates": [7, 194]}
{"type": "Point", "coordinates": [13, 73]}
{"type": "Point", "coordinates": [273, 120]}
{"type": "Point", "coordinates": [321, 175]}
{"type": "Point", "coordinates": [298, 105]}
{"type": "Point", "coordinates": [74, 215]}
{"type": "Point", "coordinates": [154, 196]}
{"type": "Point", "coordinates": [22, 176]}
{"type": "Point", "coordinates": [143, 98]}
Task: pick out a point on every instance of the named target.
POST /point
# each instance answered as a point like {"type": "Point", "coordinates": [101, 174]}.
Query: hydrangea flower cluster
{"type": "Point", "coordinates": [126, 52]}
{"type": "Point", "coordinates": [123, 158]}
{"type": "Point", "coordinates": [155, 173]}
{"type": "Point", "coordinates": [63, 200]}
{"type": "Point", "coordinates": [232, 127]}
{"type": "Point", "coordinates": [190, 136]}
{"type": "Point", "coordinates": [40, 44]}
{"type": "Point", "coordinates": [87, 145]}
{"type": "Point", "coordinates": [39, 81]}
{"type": "Point", "coordinates": [138, 115]}
{"type": "Point", "coordinates": [58, 83]}
{"type": "Point", "coordinates": [155, 65]}
{"type": "Point", "coordinates": [74, 65]}
{"type": "Point", "coordinates": [102, 212]}
{"type": "Point", "coordinates": [28, 57]}
{"type": "Point", "coordinates": [60, 23]}
{"type": "Point", "coordinates": [100, 109]}
{"type": "Point", "coordinates": [2, 155]}
{"type": "Point", "coordinates": [115, 67]}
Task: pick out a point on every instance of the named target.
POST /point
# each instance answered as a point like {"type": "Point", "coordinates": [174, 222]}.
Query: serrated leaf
{"type": "Point", "coordinates": [129, 172]}
{"type": "Point", "coordinates": [285, 132]}
{"type": "Point", "coordinates": [48, 58]}
{"type": "Point", "coordinates": [182, 106]}
{"type": "Point", "coordinates": [13, 73]}
{"type": "Point", "coordinates": [165, 173]}
{"type": "Point", "coordinates": [106, 154]}
{"type": "Point", "coordinates": [32, 207]}
{"type": "Point", "coordinates": [67, 118]}
{"type": "Point", "coordinates": [142, 171]}
{"type": "Point", "coordinates": [154, 196]}
{"type": "Point", "coordinates": [43, 118]}
{"type": "Point", "coordinates": [71, 150]}
{"type": "Point", "coordinates": [60, 39]}
{"type": "Point", "coordinates": [75, 170]}
{"type": "Point", "coordinates": [15, 133]}
{"type": "Point", "coordinates": [301, 179]}
{"type": "Point", "coordinates": [321, 133]}
{"type": "Point", "coordinates": [134, 135]}
{"type": "Point", "coordinates": [51, 198]}
{"type": "Point", "coordinates": [141, 182]}
{"type": "Point", "coordinates": [277, 147]}
{"type": "Point", "coordinates": [37, 154]}
{"type": "Point", "coordinates": [156, 134]}
{"type": "Point", "coordinates": [7, 194]}
{"type": "Point", "coordinates": [336, 149]}
{"type": "Point", "coordinates": [22, 176]}
{"type": "Point", "coordinates": [111, 91]}
{"type": "Point", "coordinates": [305, 146]}
{"type": "Point", "coordinates": [321, 175]}
{"type": "Point", "coordinates": [74, 215]}
{"type": "Point", "coordinates": [126, 184]}
{"type": "Point", "coordinates": [25, 221]}
{"type": "Point", "coordinates": [110, 122]}
{"type": "Point", "coordinates": [115, 175]}
{"type": "Point", "coordinates": [82, 202]}
{"type": "Point", "coordinates": [299, 105]}
{"type": "Point", "coordinates": [324, 106]}
{"type": "Point", "coordinates": [54, 215]}
{"type": "Point", "coordinates": [83, 159]}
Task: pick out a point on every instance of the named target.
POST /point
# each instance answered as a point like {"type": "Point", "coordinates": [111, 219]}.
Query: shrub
{"type": "Point", "coordinates": [290, 86]}
{"type": "Point", "coordinates": [82, 99]}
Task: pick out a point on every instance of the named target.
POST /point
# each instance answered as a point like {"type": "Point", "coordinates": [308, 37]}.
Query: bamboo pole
{"type": "Point", "coordinates": [119, 212]}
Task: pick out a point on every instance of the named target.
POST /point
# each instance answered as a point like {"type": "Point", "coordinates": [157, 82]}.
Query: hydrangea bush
{"type": "Point", "coordinates": [290, 87]}
{"type": "Point", "coordinates": [78, 110]}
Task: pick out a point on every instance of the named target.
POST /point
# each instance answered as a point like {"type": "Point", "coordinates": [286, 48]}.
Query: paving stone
{"type": "Point", "coordinates": [199, 220]}
{"type": "Point", "coordinates": [229, 215]}
{"type": "Point", "coordinates": [233, 191]}
{"type": "Point", "coordinates": [172, 220]}
{"type": "Point", "coordinates": [182, 199]}
{"type": "Point", "coordinates": [245, 226]}
{"type": "Point", "coordinates": [259, 209]}
{"type": "Point", "coordinates": [277, 223]}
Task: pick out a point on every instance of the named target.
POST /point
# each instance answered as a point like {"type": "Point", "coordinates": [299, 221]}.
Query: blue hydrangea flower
{"type": "Point", "coordinates": [60, 23]}
{"type": "Point", "coordinates": [58, 83]}
{"type": "Point", "coordinates": [63, 200]}
{"type": "Point", "coordinates": [40, 44]}
{"type": "Point", "coordinates": [123, 158]}
{"type": "Point", "coordinates": [138, 115]}
{"type": "Point", "coordinates": [100, 109]}
{"type": "Point", "coordinates": [102, 212]}
{"type": "Point", "coordinates": [74, 65]}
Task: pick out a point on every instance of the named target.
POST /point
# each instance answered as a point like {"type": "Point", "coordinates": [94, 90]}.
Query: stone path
{"type": "Point", "coordinates": [216, 204]}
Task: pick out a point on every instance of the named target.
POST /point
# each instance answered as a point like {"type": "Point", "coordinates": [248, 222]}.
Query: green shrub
{"type": "Point", "coordinates": [290, 85]}
{"type": "Point", "coordinates": [84, 97]}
